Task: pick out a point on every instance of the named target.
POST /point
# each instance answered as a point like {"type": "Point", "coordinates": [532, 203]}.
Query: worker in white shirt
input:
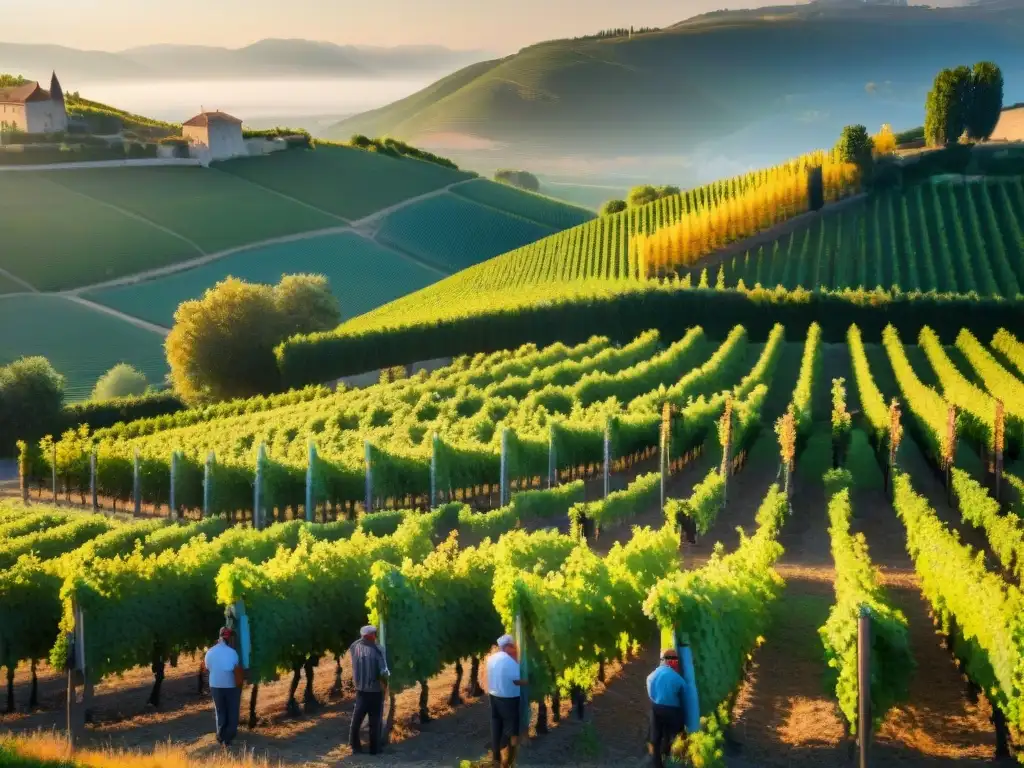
{"type": "Point", "coordinates": [221, 661]}
{"type": "Point", "coordinates": [503, 684]}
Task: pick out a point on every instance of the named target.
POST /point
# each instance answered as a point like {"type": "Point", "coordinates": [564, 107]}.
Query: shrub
{"type": "Point", "coordinates": [396, 148]}
{"type": "Point", "coordinates": [613, 206]}
{"type": "Point", "coordinates": [884, 142]}
{"type": "Point", "coordinates": [855, 147]}
{"type": "Point", "coordinates": [522, 179]}
{"type": "Point", "coordinates": [986, 100]}
{"type": "Point", "coordinates": [645, 194]}
{"type": "Point", "coordinates": [222, 346]}
{"type": "Point", "coordinates": [120, 381]}
{"type": "Point", "coordinates": [31, 397]}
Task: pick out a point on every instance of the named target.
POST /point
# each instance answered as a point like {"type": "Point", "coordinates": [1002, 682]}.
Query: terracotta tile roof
{"type": "Point", "coordinates": [203, 119]}
{"type": "Point", "coordinates": [23, 94]}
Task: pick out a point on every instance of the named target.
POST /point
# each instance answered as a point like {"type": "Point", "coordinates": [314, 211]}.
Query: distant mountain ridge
{"type": "Point", "coordinates": [708, 77]}
{"type": "Point", "coordinates": [264, 58]}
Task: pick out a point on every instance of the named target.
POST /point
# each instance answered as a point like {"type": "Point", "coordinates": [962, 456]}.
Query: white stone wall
{"type": "Point", "coordinates": [45, 117]}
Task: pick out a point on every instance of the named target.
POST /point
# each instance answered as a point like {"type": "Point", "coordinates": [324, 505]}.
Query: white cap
{"type": "Point", "coordinates": [369, 629]}
{"type": "Point", "coordinates": [505, 640]}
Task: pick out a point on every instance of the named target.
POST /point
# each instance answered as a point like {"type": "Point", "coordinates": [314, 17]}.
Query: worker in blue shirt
{"type": "Point", "coordinates": [667, 690]}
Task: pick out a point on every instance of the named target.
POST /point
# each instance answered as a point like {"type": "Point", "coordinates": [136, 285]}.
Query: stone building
{"type": "Point", "coordinates": [32, 109]}
{"type": "Point", "coordinates": [215, 135]}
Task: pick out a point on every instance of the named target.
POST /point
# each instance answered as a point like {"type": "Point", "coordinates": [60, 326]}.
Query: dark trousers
{"type": "Point", "coordinates": [666, 724]}
{"type": "Point", "coordinates": [226, 702]}
{"type": "Point", "coordinates": [504, 723]}
{"type": "Point", "coordinates": [367, 703]}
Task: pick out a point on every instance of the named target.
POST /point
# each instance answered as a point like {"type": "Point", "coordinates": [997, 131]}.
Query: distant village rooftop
{"type": "Point", "coordinates": [203, 119]}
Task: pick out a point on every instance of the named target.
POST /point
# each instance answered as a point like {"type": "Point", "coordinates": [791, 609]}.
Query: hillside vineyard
{"type": "Point", "coordinates": [534, 423]}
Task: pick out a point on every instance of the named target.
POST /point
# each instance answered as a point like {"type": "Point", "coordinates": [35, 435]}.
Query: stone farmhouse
{"type": "Point", "coordinates": [215, 135]}
{"type": "Point", "coordinates": [31, 109]}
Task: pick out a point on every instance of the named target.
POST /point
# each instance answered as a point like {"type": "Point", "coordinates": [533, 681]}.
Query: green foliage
{"type": "Point", "coordinates": [31, 397]}
{"type": "Point", "coordinates": [646, 194]}
{"type": "Point", "coordinates": [703, 505]}
{"type": "Point", "coordinates": [858, 588]}
{"type": "Point", "coordinates": [241, 322]}
{"type": "Point", "coordinates": [722, 610]}
{"type": "Point", "coordinates": [522, 179]}
{"type": "Point", "coordinates": [619, 506]}
{"type": "Point", "coordinates": [54, 542]}
{"type": "Point", "coordinates": [988, 614]}
{"type": "Point", "coordinates": [855, 146]}
{"type": "Point", "coordinates": [862, 462]}
{"type": "Point", "coordinates": [614, 206]}
{"type": "Point", "coordinates": [396, 148]}
{"type": "Point", "coordinates": [871, 401]}
{"type": "Point", "coordinates": [587, 610]}
{"type": "Point", "coordinates": [986, 101]}
{"type": "Point", "coordinates": [1005, 533]}
{"type": "Point", "coordinates": [120, 381]}
{"type": "Point", "coordinates": [948, 106]}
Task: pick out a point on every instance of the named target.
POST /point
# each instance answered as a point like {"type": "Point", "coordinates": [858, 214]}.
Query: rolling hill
{"type": "Point", "coordinates": [124, 246]}
{"type": "Point", "coordinates": [805, 69]}
{"type": "Point", "coordinates": [264, 58]}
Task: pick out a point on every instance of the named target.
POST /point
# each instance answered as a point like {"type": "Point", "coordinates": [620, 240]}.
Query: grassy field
{"type": "Point", "coordinates": [56, 239]}
{"type": "Point", "coordinates": [943, 236]}
{"type": "Point", "coordinates": [362, 274]}
{"type": "Point", "coordinates": [212, 209]}
{"type": "Point", "coordinates": [80, 342]}
{"type": "Point", "coordinates": [543, 210]}
{"type": "Point", "coordinates": [454, 233]}
{"type": "Point", "coordinates": [347, 182]}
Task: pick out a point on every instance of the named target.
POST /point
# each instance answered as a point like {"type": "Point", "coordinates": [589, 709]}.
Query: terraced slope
{"type": "Point", "coordinates": [945, 236]}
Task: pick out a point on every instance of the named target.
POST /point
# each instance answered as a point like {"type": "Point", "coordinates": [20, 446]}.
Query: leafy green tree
{"type": "Point", "coordinates": [522, 179]}
{"type": "Point", "coordinates": [948, 106]}
{"type": "Point", "coordinates": [120, 381]}
{"type": "Point", "coordinates": [855, 146]}
{"type": "Point", "coordinates": [613, 206]}
{"type": "Point", "coordinates": [642, 195]}
{"type": "Point", "coordinates": [986, 102]}
{"type": "Point", "coordinates": [222, 345]}
{"type": "Point", "coordinates": [31, 401]}
{"type": "Point", "coordinates": [306, 304]}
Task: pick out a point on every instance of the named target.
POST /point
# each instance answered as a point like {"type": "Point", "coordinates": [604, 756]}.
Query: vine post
{"type": "Point", "coordinates": [949, 450]}
{"type": "Point", "coordinates": [785, 428]}
{"type": "Point", "coordinates": [137, 484]}
{"type": "Point", "coordinates": [607, 457]}
{"type": "Point", "coordinates": [257, 501]}
{"type": "Point", "coordinates": [207, 483]}
{"type": "Point", "coordinates": [171, 506]}
{"type": "Point", "coordinates": [725, 438]}
{"type": "Point", "coordinates": [53, 470]}
{"type": "Point", "coordinates": [998, 440]}
{"type": "Point", "coordinates": [503, 479]}
{"type": "Point", "coordinates": [92, 481]}
{"type": "Point", "coordinates": [433, 472]}
{"type": "Point", "coordinates": [663, 448]}
{"type": "Point", "coordinates": [552, 459]}
{"type": "Point", "coordinates": [76, 676]}
{"type": "Point", "coordinates": [369, 476]}
{"type": "Point", "coordinates": [310, 501]}
{"type": "Point", "coordinates": [524, 696]}
{"type": "Point", "coordinates": [895, 438]}
{"type": "Point", "coordinates": [23, 469]}
{"type": "Point", "coordinates": [864, 684]}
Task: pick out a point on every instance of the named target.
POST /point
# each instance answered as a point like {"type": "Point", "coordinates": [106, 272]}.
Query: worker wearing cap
{"type": "Point", "coordinates": [667, 690]}
{"type": "Point", "coordinates": [221, 661]}
{"type": "Point", "coordinates": [370, 675]}
{"type": "Point", "coordinates": [503, 684]}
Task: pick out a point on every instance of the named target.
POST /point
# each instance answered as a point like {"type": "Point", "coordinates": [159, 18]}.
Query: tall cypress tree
{"type": "Point", "coordinates": [987, 101]}
{"type": "Point", "coordinates": [947, 106]}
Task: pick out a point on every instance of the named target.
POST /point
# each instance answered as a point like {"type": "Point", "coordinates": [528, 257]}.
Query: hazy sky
{"type": "Point", "coordinates": [501, 26]}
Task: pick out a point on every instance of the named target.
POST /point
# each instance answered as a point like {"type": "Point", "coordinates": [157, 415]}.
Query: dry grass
{"type": "Point", "coordinates": [1011, 126]}
{"type": "Point", "coordinates": [50, 748]}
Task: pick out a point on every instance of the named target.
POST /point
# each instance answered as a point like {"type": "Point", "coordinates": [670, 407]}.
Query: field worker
{"type": "Point", "coordinates": [667, 690]}
{"type": "Point", "coordinates": [221, 661]}
{"type": "Point", "coordinates": [503, 683]}
{"type": "Point", "coordinates": [370, 674]}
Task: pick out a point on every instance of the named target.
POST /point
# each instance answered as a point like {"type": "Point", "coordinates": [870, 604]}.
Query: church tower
{"type": "Point", "coordinates": [56, 92]}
